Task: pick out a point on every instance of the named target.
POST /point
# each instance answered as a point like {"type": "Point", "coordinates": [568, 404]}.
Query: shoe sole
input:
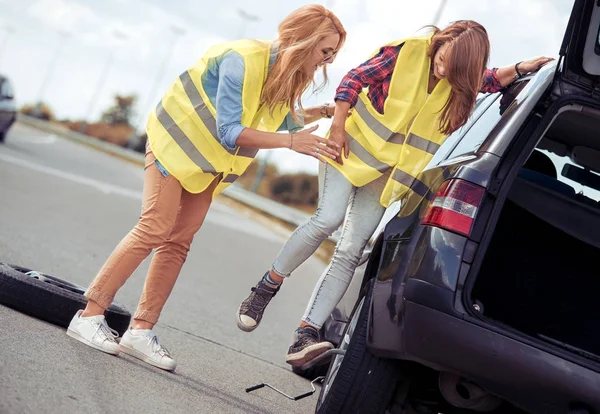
{"type": "Point", "coordinates": [240, 324]}
{"type": "Point", "coordinates": [308, 354]}
{"type": "Point", "coordinates": [138, 355]}
{"type": "Point", "coordinates": [81, 339]}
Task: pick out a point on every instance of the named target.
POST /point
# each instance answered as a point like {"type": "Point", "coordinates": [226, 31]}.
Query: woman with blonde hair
{"type": "Point", "coordinates": [407, 98]}
{"type": "Point", "coordinates": [203, 135]}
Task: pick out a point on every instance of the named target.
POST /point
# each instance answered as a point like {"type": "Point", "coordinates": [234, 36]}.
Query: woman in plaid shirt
{"type": "Point", "coordinates": [365, 211]}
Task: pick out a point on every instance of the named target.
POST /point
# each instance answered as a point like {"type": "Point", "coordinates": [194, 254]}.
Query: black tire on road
{"type": "Point", "coordinates": [364, 384]}
{"type": "Point", "coordinates": [51, 299]}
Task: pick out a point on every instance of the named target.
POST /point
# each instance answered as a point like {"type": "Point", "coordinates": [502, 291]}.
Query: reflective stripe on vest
{"type": "Point", "coordinates": [406, 135]}
{"type": "Point", "coordinates": [365, 156]}
{"type": "Point", "coordinates": [381, 130]}
{"type": "Point", "coordinates": [183, 133]}
{"type": "Point", "coordinates": [230, 178]}
{"type": "Point", "coordinates": [411, 182]}
{"type": "Point", "coordinates": [207, 117]}
{"type": "Point", "coordinates": [182, 140]}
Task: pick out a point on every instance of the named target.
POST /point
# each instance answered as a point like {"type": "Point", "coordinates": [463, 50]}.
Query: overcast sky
{"type": "Point", "coordinates": [137, 36]}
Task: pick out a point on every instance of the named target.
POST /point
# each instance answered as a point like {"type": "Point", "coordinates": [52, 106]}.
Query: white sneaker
{"type": "Point", "coordinates": [94, 331]}
{"type": "Point", "coordinates": [147, 348]}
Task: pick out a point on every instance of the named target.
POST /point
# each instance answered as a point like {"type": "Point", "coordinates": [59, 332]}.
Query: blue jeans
{"type": "Point", "coordinates": [338, 198]}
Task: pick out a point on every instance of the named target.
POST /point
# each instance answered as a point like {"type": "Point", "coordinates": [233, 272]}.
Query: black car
{"type": "Point", "coordinates": [482, 295]}
{"type": "Point", "coordinates": [8, 107]}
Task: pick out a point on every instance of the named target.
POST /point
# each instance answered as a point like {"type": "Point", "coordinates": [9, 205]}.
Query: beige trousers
{"type": "Point", "coordinates": [170, 218]}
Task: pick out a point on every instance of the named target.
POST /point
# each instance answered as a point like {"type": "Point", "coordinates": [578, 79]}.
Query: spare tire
{"type": "Point", "coordinates": [51, 299]}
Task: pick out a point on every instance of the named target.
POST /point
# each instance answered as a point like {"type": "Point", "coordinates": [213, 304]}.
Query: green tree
{"type": "Point", "coordinates": [122, 112]}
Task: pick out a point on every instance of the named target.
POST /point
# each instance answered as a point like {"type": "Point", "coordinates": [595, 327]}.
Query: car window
{"type": "Point", "coordinates": [472, 135]}
{"type": "Point", "coordinates": [482, 103]}
{"type": "Point", "coordinates": [6, 90]}
{"type": "Point", "coordinates": [559, 163]}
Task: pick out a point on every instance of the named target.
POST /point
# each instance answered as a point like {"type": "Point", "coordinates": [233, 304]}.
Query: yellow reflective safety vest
{"type": "Point", "coordinates": [182, 130]}
{"type": "Point", "coordinates": [404, 138]}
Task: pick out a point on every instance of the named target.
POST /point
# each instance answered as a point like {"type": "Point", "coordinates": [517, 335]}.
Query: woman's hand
{"type": "Point", "coordinates": [337, 134]}
{"type": "Point", "coordinates": [528, 66]}
{"type": "Point", "coordinates": [304, 142]}
{"type": "Point", "coordinates": [339, 137]}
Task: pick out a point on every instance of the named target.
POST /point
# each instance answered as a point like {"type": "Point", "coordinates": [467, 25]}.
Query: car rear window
{"type": "Point", "coordinates": [580, 188]}
{"type": "Point", "coordinates": [485, 116]}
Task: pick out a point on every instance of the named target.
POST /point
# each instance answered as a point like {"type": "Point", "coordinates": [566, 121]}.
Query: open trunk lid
{"type": "Point", "coordinates": [580, 50]}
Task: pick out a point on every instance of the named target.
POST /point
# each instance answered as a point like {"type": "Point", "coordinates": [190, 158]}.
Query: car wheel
{"type": "Point", "coordinates": [50, 298]}
{"type": "Point", "coordinates": [358, 381]}
{"type": "Point", "coordinates": [2, 136]}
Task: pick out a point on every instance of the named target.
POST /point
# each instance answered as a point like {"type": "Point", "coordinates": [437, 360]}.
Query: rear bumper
{"type": "Point", "coordinates": [533, 379]}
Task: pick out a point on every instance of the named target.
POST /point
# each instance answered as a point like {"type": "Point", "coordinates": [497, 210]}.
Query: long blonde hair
{"type": "Point", "coordinates": [299, 34]}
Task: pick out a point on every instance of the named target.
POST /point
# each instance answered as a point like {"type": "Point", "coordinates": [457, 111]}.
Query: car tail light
{"type": "Point", "coordinates": [455, 206]}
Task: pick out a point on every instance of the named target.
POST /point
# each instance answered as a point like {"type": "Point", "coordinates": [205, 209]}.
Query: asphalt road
{"type": "Point", "coordinates": [63, 208]}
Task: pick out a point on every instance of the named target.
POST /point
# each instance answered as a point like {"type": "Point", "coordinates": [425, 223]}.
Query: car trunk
{"type": "Point", "coordinates": [541, 271]}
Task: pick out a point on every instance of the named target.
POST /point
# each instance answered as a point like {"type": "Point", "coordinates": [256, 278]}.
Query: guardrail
{"type": "Point", "coordinates": [267, 206]}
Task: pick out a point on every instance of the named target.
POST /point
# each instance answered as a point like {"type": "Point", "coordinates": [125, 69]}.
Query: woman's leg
{"type": "Point", "coordinates": [364, 215]}
{"type": "Point", "coordinates": [333, 202]}
{"type": "Point", "coordinates": [160, 204]}
{"type": "Point", "coordinates": [170, 256]}
{"type": "Point", "coordinates": [334, 197]}
{"type": "Point", "coordinates": [140, 341]}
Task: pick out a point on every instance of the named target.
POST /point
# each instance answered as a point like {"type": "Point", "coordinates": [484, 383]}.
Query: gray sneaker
{"type": "Point", "coordinates": [252, 308]}
{"type": "Point", "coordinates": [306, 347]}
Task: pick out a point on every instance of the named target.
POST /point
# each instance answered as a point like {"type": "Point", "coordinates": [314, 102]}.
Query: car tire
{"type": "Point", "coordinates": [51, 299]}
{"type": "Point", "coordinates": [3, 136]}
{"type": "Point", "coordinates": [358, 381]}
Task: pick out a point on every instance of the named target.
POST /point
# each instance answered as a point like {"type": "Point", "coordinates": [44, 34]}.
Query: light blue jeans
{"type": "Point", "coordinates": [338, 198]}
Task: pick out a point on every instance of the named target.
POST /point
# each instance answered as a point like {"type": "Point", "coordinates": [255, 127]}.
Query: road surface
{"type": "Point", "coordinates": [63, 208]}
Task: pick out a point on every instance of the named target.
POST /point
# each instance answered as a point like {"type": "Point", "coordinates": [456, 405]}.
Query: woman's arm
{"type": "Point", "coordinates": [507, 75]}
{"type": "Point", "coordinates": [314, 113]}
{"type": "Point", "coordinates": [229, 115]}
{"type": "Point", "coordinates": [303, 142]}
{"type": "Point", "coordinates": [371, 72]}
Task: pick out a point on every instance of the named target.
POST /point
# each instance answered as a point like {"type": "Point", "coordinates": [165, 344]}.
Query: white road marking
{"type": "Point", "coordinates": [219, 214]}
{"type": "Point", "coordinates": [40, 139]}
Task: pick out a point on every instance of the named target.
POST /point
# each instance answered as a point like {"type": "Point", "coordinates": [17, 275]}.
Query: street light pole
{"type": "Point", "coordinates": [102, 79]}
{"type": "Point", "coordinates": [177, 31]}
{"type": "Point", "coordinates": [439, 11]}
{"type": "Point", "coordinates": [47, 76]}
{"type": "Point", "coordinates": [134, 138]}
{"type": "Point", "coordinates": [247, 18]}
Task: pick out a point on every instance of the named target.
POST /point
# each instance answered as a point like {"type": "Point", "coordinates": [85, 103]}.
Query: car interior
{"type": "Point", "coordinates": [540, 273]}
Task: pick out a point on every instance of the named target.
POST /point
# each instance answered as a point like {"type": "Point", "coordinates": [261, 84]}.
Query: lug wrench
{"type": "Point", "coordinates": [306, 366]}
{"type": "Point", "coordinates": [296, 398]}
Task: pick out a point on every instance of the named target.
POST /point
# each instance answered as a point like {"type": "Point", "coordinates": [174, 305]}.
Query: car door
{"type": "Point", "coordinates": [580, 50]}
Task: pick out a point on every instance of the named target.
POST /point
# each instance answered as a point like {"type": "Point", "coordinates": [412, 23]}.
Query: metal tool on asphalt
{"type": "Point", "coordinates": [296, 398]}
{"type": "Point", "coordinates": [306, 366]}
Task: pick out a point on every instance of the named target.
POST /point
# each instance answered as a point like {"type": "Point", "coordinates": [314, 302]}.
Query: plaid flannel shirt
{"type": "Point", "coordinates": [376, 74]}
